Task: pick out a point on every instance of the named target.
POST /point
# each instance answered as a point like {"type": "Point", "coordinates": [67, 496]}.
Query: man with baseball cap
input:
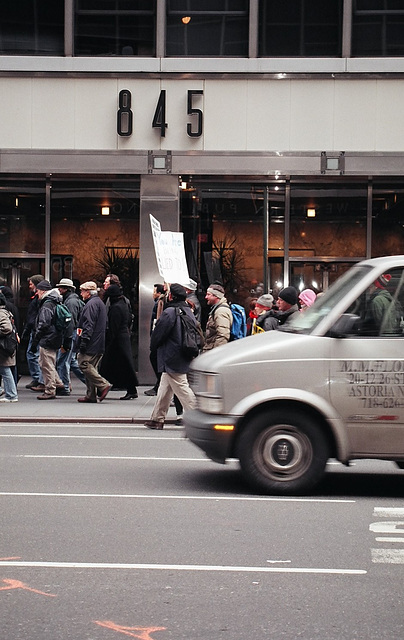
{"type": "Point", "coordinates": [67, 360]}
{"type": "Point", "coordinates": [91, 342]}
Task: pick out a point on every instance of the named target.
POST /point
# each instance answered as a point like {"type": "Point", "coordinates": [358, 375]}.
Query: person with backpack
{"type": "Point", "coordinates": [7, 361]}
{"type": "Point", "coordinates": [49, 337]}
{"type": "Point", "coordinates": [67, 360]}
{"type": "Point", "coordinates": [173, 358]}
{"type": "Point", "coordinates": [220, 319]}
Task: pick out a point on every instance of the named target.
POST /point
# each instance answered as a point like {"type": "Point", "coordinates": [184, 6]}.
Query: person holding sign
{"type": "Point", "coordinates": [166, 339]}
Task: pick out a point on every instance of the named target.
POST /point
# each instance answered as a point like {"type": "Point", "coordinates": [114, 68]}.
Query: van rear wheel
{"type": "Point", "coordinates": [282, 452]}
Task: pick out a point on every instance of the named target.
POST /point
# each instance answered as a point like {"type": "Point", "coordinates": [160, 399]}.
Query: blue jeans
{"type": "Point", "coordinates": [8, 382]}
{"type": "Point", "coordinates": [67, 362]}
{"type": "Point", "coordinates": [33, 364]}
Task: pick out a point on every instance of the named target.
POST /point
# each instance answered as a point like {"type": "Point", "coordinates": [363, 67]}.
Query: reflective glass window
{"type": "Point", "coordinates": [207, 29]}
{"type": "Point", "coordinates": [300, 28]}
{"type": "Point", "coordinates": [328, 225]}
{"type": "Point", "coordinates": [115, 28]}
{"type": "Point", "coordinates": [32, 27]}
{"type": "Point", "coordinates": [387, 218]}
{"type": "Point", "coordinates": [224, 230]}
{"type": "Point", "coordinates": [378, 28]}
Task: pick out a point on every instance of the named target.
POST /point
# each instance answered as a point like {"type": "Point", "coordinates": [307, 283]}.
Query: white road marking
{"type": "Point", "coordinates": [80, 437]}
{"type": "Point", "coordinates": [180, 567]}
{"type": "Point", "coordinates": [388, 556]}
{"type": "Point", "coordinates": [388, 512]}
{"type": "Point", "coordinates": [111, 458]}
{"type": "Point", "coordinates": [171, 497]}
{"type": "Point", "coordinates": [381, 539]}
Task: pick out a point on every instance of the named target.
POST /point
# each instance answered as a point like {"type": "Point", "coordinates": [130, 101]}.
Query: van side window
{"type": "Point", "coordinates": [381, 306]}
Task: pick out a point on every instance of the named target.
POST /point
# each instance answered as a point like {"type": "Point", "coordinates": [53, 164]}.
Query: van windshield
{"type": "Point", "coordinates": [306, 322]}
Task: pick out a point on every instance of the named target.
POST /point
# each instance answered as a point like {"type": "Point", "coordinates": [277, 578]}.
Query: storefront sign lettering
{"type": "Point", "coordinates": [125, 114]}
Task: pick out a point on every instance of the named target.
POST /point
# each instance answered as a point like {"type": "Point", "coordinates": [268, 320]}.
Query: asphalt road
{"type": "Point", "coordinates": [117, 531]}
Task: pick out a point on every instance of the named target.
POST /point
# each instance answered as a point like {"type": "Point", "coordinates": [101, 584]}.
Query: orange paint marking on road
{"type": "Point", "coordinates": [15, 558]}
{"type": "Point", "coordinates": [16, 584]}
{"type": "Point", "coordinates": [144, 632]}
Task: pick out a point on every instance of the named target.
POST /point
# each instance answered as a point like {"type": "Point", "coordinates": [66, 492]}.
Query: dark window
{"type": "Point", "coordinates": [300, 28]}
{"type": "Point", "coordinates": [378, 28]}
{"type": "Point", "coordinates": [219, 29]}
{"type": "Point", "coordinates": [32, 27]}
{"type": "Point", "coordinates": [115, 27]}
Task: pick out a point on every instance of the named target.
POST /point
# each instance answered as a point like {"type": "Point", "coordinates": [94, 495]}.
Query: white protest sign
{"type": "Point", "coordinates": [170, 253]}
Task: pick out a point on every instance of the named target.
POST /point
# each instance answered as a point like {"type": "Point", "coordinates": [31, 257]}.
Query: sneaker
{"type": "Point", "coordinates": [4, 399]}
{"type": "Point", "coordinates": [150, 392]}
{"type": "Point", "coordinates": [178, 421]}
{"type": "Point", "coordinates": [46, 396]}
{"type": "Point", "coordinates": [87, 399]}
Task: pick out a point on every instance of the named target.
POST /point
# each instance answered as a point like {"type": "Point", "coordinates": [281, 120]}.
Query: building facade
{"type": "Point", "coordinates": [270, 133]}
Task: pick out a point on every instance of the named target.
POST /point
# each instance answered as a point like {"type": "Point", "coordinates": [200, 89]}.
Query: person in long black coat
{"type": "Point", "coordinates": [117, 364]}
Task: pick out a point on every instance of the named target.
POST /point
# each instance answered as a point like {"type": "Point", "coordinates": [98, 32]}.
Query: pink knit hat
{"type": "Point", "coordinates": [307, 297]}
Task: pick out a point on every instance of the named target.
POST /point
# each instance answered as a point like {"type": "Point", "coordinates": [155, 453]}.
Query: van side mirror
{"type": "Point", "coordinates": [346, 325]}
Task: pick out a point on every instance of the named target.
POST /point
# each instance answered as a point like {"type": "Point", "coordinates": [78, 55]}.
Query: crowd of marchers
{"type": "Point", "coordinates": [88, 333]}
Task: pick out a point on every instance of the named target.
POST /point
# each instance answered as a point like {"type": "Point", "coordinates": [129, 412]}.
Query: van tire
{"type": "Point", "coordinates": [282, 452]}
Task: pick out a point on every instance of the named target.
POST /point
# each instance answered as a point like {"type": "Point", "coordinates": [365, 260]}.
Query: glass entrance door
{"type": "Point", "coordinates": [317, 274]}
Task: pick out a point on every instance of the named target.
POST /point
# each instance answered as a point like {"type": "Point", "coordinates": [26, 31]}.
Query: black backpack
{"type": "Point", "coordinates": [190, 335]}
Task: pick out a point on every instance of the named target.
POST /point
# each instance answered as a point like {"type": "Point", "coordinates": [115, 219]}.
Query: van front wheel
{"type": "Point", "coordinates": [282, 452]}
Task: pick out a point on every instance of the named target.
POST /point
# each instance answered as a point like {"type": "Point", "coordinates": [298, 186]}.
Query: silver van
{"type": "Point", "coordinates": [328, 384]}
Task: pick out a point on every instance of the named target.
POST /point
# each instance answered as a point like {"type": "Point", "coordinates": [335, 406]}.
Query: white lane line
{"type": "Point", "coordinates": [181, 567]}
{"type": "Point", "coordinates": [172, 497]}
{"type": "Point", "coordinates": [382, 539]}
{"type": "Point", "coordinates": [388, 512]}
{"type": "Point", "coordinates": [111, 458]}
{"type": "Point", "coordinates": [78, 437]}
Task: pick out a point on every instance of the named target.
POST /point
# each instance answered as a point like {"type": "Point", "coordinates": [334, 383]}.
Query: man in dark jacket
{"type": "Point", "coordinates": [91, 331]}
{"type": "Point", "coordinates": [67, 360]}
{"type": "Point", "coordinates": [167, 340]}
{"type": "Point", "coordinates": [48, 338]}
{"type": "Point", "coordinates": [287, 304]}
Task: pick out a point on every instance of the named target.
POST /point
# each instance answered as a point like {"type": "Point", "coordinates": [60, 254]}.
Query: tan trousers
{"type": "Point", "coordinates": [172, 383]}
{"type": "Point", "coordinates": [47, 363]}
{"type": "Point", "coordinates": [89, 365]}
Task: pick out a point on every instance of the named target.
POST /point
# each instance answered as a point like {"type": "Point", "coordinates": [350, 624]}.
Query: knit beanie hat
{"type": "Point", "coordinates": [307, 297]}
{"type": "Point", "coordinates": [265, 301]}
{"type": "Point", "coordinates": [289, 295]}
{"type": "Point", "coordinates": [36, 279]}
{"type": "Point", "coordinates": [178, 291]}
{"type": "Point", "coordinates": [382, 281]}
{"type": "Point", "coordinates": [44, 285]}
{"type": "Point", "coordinates": [216, 290]}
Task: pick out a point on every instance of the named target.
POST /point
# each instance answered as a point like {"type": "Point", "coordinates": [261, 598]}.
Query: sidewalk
{"type": "Point", "coordinates": [68, 410]}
